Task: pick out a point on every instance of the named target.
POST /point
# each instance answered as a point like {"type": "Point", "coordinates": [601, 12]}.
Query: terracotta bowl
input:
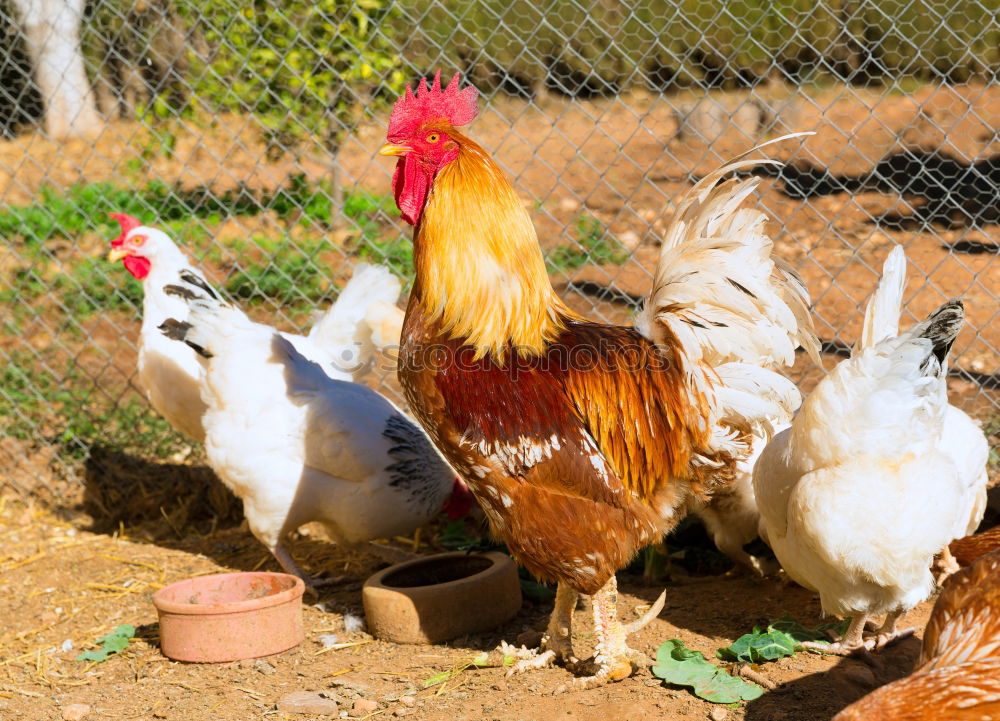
{"type": "Point", "coordinates": [441, 597]}
{"type": "Point", "coordinates": [230, 616]}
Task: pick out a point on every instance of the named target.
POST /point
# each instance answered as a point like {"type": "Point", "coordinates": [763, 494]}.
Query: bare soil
{"type": "Point", "coordinates": [64, 586]}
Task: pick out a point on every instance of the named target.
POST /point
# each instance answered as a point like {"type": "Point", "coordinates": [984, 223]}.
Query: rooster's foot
{"type": "Point", "coordinates": [556, 645]}
{"type": "Point", "coordinates": [614, 659]}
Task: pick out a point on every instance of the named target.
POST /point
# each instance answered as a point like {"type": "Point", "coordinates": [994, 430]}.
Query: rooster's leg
{"type": "Point", "coordinates": [557, 643]}
{"type": "Point", "coordinates": [613, 657]}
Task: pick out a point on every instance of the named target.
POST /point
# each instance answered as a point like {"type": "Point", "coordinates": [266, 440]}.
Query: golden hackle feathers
{"type": "Point", "coordinates": [480, 271]}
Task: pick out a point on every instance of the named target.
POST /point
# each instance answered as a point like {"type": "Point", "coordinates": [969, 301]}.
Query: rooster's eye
{"type": "Point", "coordinates": [433, 138]}
{"type": "Point", "coordinates": [138, 239]}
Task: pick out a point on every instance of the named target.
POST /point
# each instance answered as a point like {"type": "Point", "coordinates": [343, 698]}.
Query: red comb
{"type": "Point", "coordinates": [127, 223]}
{"type": "Point", "coordinates": [457, 107]}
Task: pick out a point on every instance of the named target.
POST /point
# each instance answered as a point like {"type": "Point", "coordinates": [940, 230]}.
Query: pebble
{"type": "Point", "coordinates": [569, 204]}
{"type": "Point", "coordinates": [308, 702]}
{"type": "Point", "coordinates": [630, 239]}
{"type": "Point", "coordinates": [718, 714]}
{"type": "Point", "coordinates": [264, 667]}
{"type": "Point", "coordinates": [75, 711]}
{"type": "Point", "coordinates": [365, 706]}
{"type": "Point", "coordinates": [408, 701]}
{"type": "Point", "coordinates": [356, 686]}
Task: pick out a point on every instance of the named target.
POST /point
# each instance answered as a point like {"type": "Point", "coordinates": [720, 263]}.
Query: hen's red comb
{"type": "Point", "coordinates": [457, 107]}
{"type": "Point", "coordinates": [127, 223]}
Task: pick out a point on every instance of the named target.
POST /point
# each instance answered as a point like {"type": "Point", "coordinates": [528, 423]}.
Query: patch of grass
{"type": "Point", "coordinates": [396, 253]}
{"type": "Point", "coordinates": [290, 274]}
{"type": "Point", "coordinates": [594, 244]}
{"type": "Point", "coordinates": [73, 411]}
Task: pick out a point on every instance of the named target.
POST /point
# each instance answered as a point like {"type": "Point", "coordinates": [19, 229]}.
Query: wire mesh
{"type": "Point", "coordinates": [249, 132]}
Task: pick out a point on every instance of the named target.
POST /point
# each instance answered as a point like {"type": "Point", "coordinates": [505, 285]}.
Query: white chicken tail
{"type": "Point", "coordinates": [364, 315]}
{"type": "Point", "coordinates": [886, 303]}
{"type": "Point", "coordinates": [718, 290]}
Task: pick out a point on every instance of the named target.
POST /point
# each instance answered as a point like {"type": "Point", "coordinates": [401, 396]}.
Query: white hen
{"type": "Point", "coordinates": [861, 492]}
{"type": "Point", "coordinates": [298, 446]}
{"type": "Point", "coordinates": [364, 316]}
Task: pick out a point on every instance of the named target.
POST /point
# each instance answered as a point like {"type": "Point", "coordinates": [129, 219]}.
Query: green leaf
{"type": "Point", "coordinates": [797, 631]}
{"type": "Point", "coordinates": [759, 646]}
{"type": "Point", "coordinates": [114, 642]}
{"type": "Point", "coordinates": [682, 666]}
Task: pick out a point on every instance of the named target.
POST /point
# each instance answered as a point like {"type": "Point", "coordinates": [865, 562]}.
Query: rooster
{"type": "Point", "coordinates": [877, 473]}
{"type": "Point", "coordinates": [297, 445]}
{"type": "Point", "coordinates": [364, 315]}
{"type": "Point", "coordinates": [583, 442]}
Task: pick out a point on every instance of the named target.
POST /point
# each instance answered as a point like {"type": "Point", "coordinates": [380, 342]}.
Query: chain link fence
{"type": "Point", "coordinates": [249, 131]}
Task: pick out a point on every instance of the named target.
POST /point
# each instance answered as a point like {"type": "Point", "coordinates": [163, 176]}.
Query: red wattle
{"type": "Point", "coordinates": [137, 266]}
{"type": "Point", "coordinates": [410, 185]}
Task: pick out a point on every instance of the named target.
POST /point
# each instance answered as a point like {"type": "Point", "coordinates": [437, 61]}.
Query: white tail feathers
{"type": "Point", "coordinates": [886, 303]}
{"type": "Point", "coordinates": [349, 320]}
{"type": "Point", "coordinates": [717, 288]}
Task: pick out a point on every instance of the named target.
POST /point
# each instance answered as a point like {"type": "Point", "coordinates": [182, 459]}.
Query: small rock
{"type": "Point", "coordinates": [355, 686]}
{"type": "Point", "coordinates": [861, 675]}
{"type": "Point", "coordinates": [630, 239]}
{"type": "Point", "coordinates": [569, 204]}
{"type": "Point", "coordinates": [408, 701]}
{"type": "Point", "coordinates": [308, 702]}
{"type": "Point", "coordinates": [264, 667]}
{"type": "Point", "coordinates": [364, 705]}
{"type": "Point", "coordinates": [75, 711]}
{"type": "Point", "coordinates": [718, 714]}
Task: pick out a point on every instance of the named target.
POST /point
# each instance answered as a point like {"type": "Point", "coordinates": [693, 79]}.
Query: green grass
{"type": "Point", "coordinates": [290, 274]}
{"type": "Point", "coordinates": [72, 410]}
{"type": "Point", "coordinates": [594, 244]}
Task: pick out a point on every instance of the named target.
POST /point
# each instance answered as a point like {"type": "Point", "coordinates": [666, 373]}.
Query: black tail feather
{"type": "Point", "coordinates": [178, 330]}
{"type": "Point", "coordinates": [942, 327]}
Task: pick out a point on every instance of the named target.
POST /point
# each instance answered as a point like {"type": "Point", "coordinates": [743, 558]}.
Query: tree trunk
{"type": "Point", "coordinates": [52, 34]}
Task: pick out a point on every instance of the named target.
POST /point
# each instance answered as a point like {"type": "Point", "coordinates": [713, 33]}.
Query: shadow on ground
{"type": "Point", "coordinates": [943, 190]}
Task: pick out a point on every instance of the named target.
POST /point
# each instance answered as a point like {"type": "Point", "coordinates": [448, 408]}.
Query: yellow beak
{"type": "Point", "coordinates": [117, 254]}
{"type": "Point", "coordinates": [390, 149]}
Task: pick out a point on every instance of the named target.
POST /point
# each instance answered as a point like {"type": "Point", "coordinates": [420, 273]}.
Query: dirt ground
{"type": "Point", "coordinates": [64, 586]}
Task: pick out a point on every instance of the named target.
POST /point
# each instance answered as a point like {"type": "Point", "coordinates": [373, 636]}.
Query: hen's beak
{"type": "Point", "coordinates": [117, 254]}
{"type": "Point", "coordinates": [390, 149]}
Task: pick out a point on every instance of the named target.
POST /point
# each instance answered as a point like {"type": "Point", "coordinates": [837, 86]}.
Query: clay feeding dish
{"type": "Point", "coordinates": [441, 597]}
{"type": "Point", "coordinates": [230, 616]}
